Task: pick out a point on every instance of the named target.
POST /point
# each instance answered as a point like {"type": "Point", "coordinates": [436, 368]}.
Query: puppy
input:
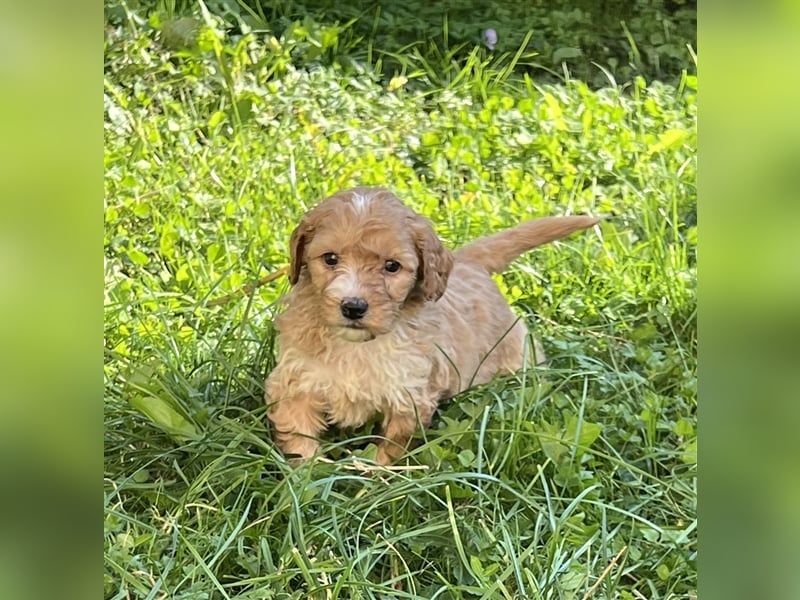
{"type": "Point", "coordinates": [383, 318]}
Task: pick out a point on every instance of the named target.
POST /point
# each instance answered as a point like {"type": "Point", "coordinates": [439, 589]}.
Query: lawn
{"type": "Point", "coordinates": [223, 124]}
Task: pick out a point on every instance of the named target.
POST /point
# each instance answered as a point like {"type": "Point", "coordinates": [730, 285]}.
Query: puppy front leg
{"type": "Point", "coordinates": [297, 421]}
{"type": "Point", "coordinates": [397, 432]}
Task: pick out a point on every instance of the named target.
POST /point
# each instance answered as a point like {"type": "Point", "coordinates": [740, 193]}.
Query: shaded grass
{"type": "Point", "coordinates": [528, 487]}
{"type": "Point", "coordinates": [588, 40]}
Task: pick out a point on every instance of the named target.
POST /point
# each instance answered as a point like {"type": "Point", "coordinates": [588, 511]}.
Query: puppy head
{"type": "Point", "coordinates": [365, 257]}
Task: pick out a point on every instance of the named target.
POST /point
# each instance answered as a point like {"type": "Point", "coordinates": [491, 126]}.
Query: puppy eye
{"type": "Point", "coordinates": [330, 259]}
{"type": "Point", "coordinates": [392, 266]}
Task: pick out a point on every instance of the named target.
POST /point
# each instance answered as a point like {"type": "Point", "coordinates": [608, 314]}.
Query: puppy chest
{"type": "Point", "coordinates": [353, 386]}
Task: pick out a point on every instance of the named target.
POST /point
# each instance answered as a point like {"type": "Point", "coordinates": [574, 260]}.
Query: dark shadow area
{"type": "Point", "coordinates": [595, 41]}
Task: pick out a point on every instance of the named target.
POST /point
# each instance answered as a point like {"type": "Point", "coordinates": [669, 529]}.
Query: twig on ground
{"type": "Point", "coordinates": [604, 574]}
{"type": "Point", "coordinates": [249, 288]}
{"type": "Point", "coordinates": [358, 465]}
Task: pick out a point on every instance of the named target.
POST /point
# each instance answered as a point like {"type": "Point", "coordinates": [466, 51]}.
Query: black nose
{"type": "Point", "coordinates": [354, 308]}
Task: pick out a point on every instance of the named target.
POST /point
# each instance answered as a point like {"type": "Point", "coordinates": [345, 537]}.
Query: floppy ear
{"type": "Point", "coordinates": [435, 261]}
{"type": "Point", "coordinates": [297, 243]}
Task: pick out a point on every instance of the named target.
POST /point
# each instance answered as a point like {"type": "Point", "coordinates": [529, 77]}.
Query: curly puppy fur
{"type": "Point", "coordinates": [383, 318]}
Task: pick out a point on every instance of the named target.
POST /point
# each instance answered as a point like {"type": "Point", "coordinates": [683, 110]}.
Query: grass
{"type": "Point", "coordinates": [574, 482]}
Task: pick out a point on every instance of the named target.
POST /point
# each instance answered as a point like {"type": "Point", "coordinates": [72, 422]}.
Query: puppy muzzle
{"type": "Point", "coordinates": [354, 309]}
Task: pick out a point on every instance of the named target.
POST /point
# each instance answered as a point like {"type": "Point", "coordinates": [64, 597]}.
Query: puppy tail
{"type": "Point", "coordinates": [495, 252]}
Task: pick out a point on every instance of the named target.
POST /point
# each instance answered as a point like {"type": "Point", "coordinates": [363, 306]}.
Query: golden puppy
{"type": "Point", "coordinates": [383, 318]}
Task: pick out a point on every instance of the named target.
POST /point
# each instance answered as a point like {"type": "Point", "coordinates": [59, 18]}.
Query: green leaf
{"type": "Point", "coordinates": [684, 428]}
{"type": "Point", "coordinates": [165, 417]}
{"type": "Point", "coordinates": [668, 140]}
{"type": "Point", "coordinates": [644, 332]}
{"type": "Point", "coordinates": [689, 454]}
{"type": "Point", "coordinates": [554, 106]}
{"type": "Point", "coordinates": [466, 457]}
{"type": "Point", "coordinates": [566, 53]}
{"type": "Point", "coordinates": [217, 118]}
{"type": "Point", "coordinates": [551, 442]}
{"type": "Point", "coordinates": [691, 236]}
{"type": "Point", "coordinates": [571, 580]}
{"type": "Point", "coordinates": [589, 432]}
{"type": "Point", "coordinates": [213, 251]}
{"type": "Point", "coordinates": [430, 139]}
{"type": "Point", "coordinates": [525, 105]}
{"type": "Point", "coordinates": [142, 209]}
{"type": "Point", "coordinates": [138, 257]}
{"type": "Point", "coordinates": [477, 567]}
{"type": "Point", "coordinates": [166, 244]}
{"type": "Point", "coordinates": [183, 273]}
